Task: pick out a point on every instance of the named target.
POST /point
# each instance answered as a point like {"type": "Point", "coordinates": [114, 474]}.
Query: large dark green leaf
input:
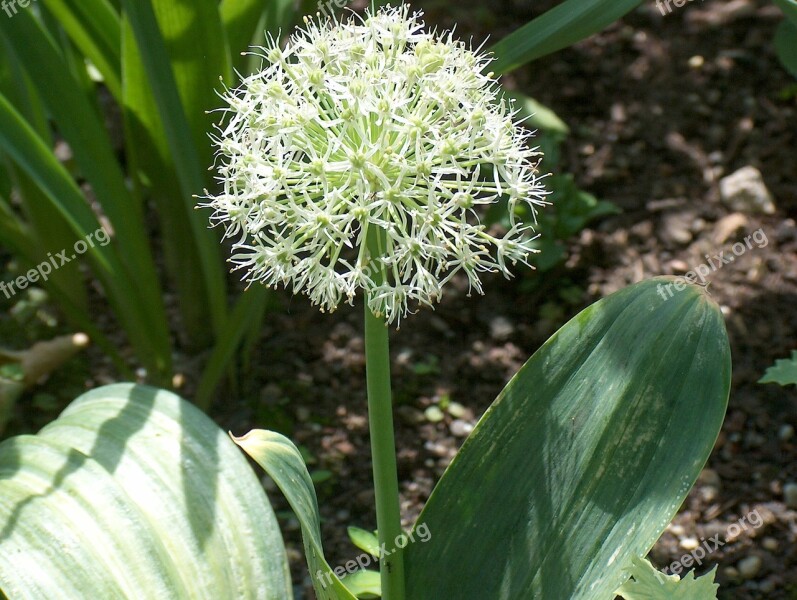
{"type": "Point", "coordinates": [584, 458]}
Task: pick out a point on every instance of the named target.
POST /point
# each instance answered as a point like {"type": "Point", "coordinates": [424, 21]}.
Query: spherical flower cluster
{"type": "Point", "coordinates": [358, 158]}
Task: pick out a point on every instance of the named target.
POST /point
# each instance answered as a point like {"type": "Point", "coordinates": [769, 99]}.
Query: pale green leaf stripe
{"type": "Point", "coordinates": [558, 28]}
{"type": "Point", "coordinates": [134, 493]}
{"type": "Point", "coordinates": [57, 505]}
{"type": "Point", "coordinates": [177, 131]}
{"type": "Point", "coordinates": [283, 462]}
{"type": "Point", "coordinates": [22, 144]}
{"type": "Point", "coordinates": [589, 451]}
{"type": "Point", "coordinates": [93, 25]}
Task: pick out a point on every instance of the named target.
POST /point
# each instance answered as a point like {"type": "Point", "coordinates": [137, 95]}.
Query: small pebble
{"type": "Point", "coordinates": [696, 61]}
{"type": "Point", "coordinates": [460, 428]}
{"type": "Point", "coordinates": [433, 414]}
{"type": "Point", "coordinates": [410, 415]}
{"type": "Point", "coordinates": [786, 432]}
{"type": "Point", "coordinates": [689, 543]}
{"type": "Point", "coordinates": [770, 543]}
{"type": "Point", "coordinates": [501, 328]}
{"type": "Point", "coordinates": [437, 449]}
{"type": "Point", "coordinates": [790, 494]}
{"type": "Point", "coordinates": [731, 573]}
{"type": "Point", "coordinates": [677, 530]}
{"type": "Point", "coordinates": [342, 515]}
{"type": "Point", "coordinates": [710, 477]}
{"type": "Point", "coordinates": [456, 410]}
{"type": "Point", "coordinates": [749, 566]}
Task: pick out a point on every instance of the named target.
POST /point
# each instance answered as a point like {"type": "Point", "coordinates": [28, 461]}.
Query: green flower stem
{"type": "Point", "coordinates": [383, 454]}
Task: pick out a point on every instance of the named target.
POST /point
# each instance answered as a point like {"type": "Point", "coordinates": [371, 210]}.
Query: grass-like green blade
{"type": "Point", "coordinates": [150, 161]}
{"type": "Point", "coordinates": [179, 139]}
{"type": "Point", "coordinates": [584, 458]}
{"type": "Point", "coordinates": [51, 234]}
{"type": "Point", "coordinates": [22, 144]}
{"type": "Point", "coordinates": [273, 19]}
{"type": "Point", "coordinates": [82, 128]}
{"type": "Point", "coordinates": [283, 462]}
{"type": "Point", "coordinates": [134, 493]}
{"type": "Point", "coordinates": [46, 231]}
{"type": "Point", "coordinates": [241, 19]}
{"type": "Point", "coordinates": [248, 310]}
{"type": "Point", "coordinates": [558, 28]}
{"type": "Point", "coordinates": [196, 40]}
{"type": "Point", "coordinates": [94, 27]}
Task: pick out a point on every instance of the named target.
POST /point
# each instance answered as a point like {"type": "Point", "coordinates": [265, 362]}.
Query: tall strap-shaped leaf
{"type": "Point", "coordinates": [585, 456]}
{"type": "Point", "coordinates": [81, 127]}
{"type": "Point", "coordinates": [247, 313]}
{"type": "Point", "coordinates": [283, 462]}
{"type": "Point", "coordinates": [134, 493]}
{"type": "Point", "coordinates": [241, 18]}
{"type": "Point", "coordinates": [94, 27]}
{"type": "Point", "coordinates": [22, 144]}
{"type": "Point", "coordinates": [47, 231]}
{"type": "Point", "coordinates": [248, 22]}
{"type": "Point", "coordinates": [560, 27]}
{"type": "Point", "coordinates": [147, 67]}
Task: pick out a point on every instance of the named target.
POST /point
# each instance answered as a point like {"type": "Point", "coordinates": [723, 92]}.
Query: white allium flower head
{"type": "Point", "coordinates": [358, 158]}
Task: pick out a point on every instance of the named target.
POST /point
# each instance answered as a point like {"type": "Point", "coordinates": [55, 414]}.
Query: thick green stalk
{"type": "Point", "coordinates": [383, 453]}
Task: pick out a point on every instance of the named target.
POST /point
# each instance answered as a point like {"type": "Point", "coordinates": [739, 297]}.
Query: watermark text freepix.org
{"type": "Point", "coordinates": [364, 560]}
{"type": "Point", "coordinates": [667, 5]}
{"type": "Point", "coordinates": [712, 544]}
{"type": "Point", "coordinates": [54, 262]}
{"type": "Point", "coordinates": [714, 263]}
{"type": "Point", "coordinates": [10, 6]}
